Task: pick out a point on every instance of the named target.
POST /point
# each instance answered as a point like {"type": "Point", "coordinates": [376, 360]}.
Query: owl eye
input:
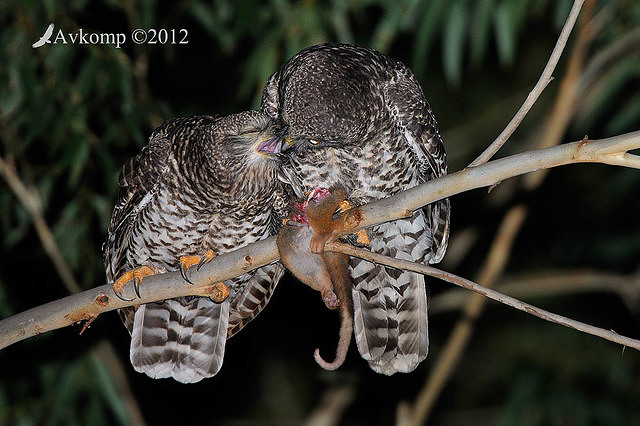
{"type": "Point", "coordinates": [314, 141]}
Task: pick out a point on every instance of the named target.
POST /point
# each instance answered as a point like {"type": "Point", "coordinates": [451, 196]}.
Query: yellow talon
{"type": "Point", "coordinates": [136, 275]}
{"type": "Point", "coordinates": [344, 206]}
{"type": "Point", "coordinates": [187, 262]}
{"type": "Point", "coordinates": [219, 292]}
{"type": "Point", "coordinates": [363, 237]}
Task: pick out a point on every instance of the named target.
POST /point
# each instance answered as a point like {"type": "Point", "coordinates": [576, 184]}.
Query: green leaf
{"type": "Point", "coordinates": [504, 25]}
{"type": "Point", "coordinates": [453, 49]}
{"type": "Point", "coordinates": [480, 30]}
{"type": "Point", "coordinates": [426, 34]}
{"type": "Point", "coordinates": [626, 118]}
{"type": "Point", "coordinates": [388, 27]}
{"type": "Point", "coordinates": [63, 394]}
{"type": "Point", "coordinates": [561, 12]}
{"type": "Point", "coordinates": [109, 391]}
{"type": "Point", "coordinates": [604, 95]}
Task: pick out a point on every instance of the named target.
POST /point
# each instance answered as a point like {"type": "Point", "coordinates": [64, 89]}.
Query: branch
{"type": "Point", "coordinates": [552, 284]}
{"type": "Point", "coordinates": [609, 335]}
{"type": "Point", "coordinates": [32, 203]}
{"type": "Point", "coordinates": [533, 96]}
{"type": "Point", "coordinates": [88, 304]}
{"type": "Point", "coordinates": [334, 402]}
{"type": "Point", "coordinates": [451, 352]}
{"type": "Point", "coordinates": [103, 352]}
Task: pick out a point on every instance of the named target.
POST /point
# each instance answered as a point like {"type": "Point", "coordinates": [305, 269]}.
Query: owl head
{"type": "Point", "coordinates": [324, 96]}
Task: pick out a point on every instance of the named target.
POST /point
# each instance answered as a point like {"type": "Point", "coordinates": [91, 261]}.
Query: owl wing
{"type": "Point", "coordinates": [259, 288]}
{"type": "Point", "coordinates": [138, 181]}
{"type": "Point", "coordinates": [413, 117]}
{"type": "Point", "coordinates": [390, 305]}
{"type": "Point", "coordinates": [254, 297]}
{"type": "Point", "coordinates": [391, 321]}
{"type": "Point", "coordinates": [182, 338]}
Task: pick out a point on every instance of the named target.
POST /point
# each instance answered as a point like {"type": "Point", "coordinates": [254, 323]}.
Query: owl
{"type": "Point", "coordinates": [352, 116]}
{"type": "Point", "coordinates": [199, 188]}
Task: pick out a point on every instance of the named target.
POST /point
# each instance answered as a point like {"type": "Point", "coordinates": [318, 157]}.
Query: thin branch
{"type": "Point", "coordinates": [609, 335]}
{"type": "Point", "coordinates": [559, 119]}
{"type": "Point", "coordinates": [551, 284]}
{"type": "Point", "coordinates": [335, 400]}
{"type": "Point", "coordinates": [88, 304]}
{"type": "Point", "coordinates": [103, 352]}
{"type": "Point", "coordinates": [498, 255]}
{"type": "Point", "coordinates": [607, 151]}
{"type": "Point", "coordinates": [545, 79]}
{"type": "Point", "coordinates": [565, 105]}
{"type": "Point", "coordinates": [32, 203]}
{"type": "Point", "coordinates": [462, 331]}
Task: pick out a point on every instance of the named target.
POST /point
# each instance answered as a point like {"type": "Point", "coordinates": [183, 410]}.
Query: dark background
{"type": "Point", "coordinates": [71, 115]}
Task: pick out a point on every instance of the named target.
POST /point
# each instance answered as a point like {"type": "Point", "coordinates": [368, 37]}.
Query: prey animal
{"type": "Point", "coordinates": [301, 245]}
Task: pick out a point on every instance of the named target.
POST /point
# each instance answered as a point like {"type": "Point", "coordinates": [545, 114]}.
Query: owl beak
{"type": "Point", "coordinates": [275, 145]}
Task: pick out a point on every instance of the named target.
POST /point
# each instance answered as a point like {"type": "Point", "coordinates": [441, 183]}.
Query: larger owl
{"type": "Point", "coordinates": [200, 186]}
{"type": "Point", "coordinates": [350, 115]}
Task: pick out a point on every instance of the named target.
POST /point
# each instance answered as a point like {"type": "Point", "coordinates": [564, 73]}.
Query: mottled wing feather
{"type": "Point", "coordinates": [138, 181]}
{"type": "Point", "coordinates": [269, 103]}
{"type": "Point", "coordinates": [413, 117]}
{"type": "Point", "coordinates": [382, 138]}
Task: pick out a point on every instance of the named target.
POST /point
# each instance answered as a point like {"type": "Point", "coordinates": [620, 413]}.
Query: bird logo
{"type": "Point", "coordinates": [45, 37]}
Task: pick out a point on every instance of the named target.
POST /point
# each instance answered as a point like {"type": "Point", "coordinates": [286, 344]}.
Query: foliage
{"type": "Point", "coordinates": [70, 115]}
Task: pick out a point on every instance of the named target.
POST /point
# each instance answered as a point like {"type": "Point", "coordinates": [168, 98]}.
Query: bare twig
{"type": "Point", "coordinates": [557, 123]}
{"type": "Point", "coordinates": [459, 337]}
{"type": "Point", "coordinates": [551, 284]}
{"type": "Point", "coordinates": [330, 410]}
{"type": "Point", "coordinates": [92, 302]}
{"type": "Point", "coordinates": [564, 108]}
{"type": "Point", "coordinates": [484, 292]}
{"type": "Point", "coordinates": [31, 202]}
{"type": "Point", "coordinates": [533, 96]}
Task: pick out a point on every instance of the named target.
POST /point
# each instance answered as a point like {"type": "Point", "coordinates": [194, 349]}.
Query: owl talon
{"type": "Point", "coordinates": [206, 258]}
{"type": "Point", "coordinates": [136, 275]}
{"type": "Point", "coordinates": [344, 206]}
{"type": "Point", "coordinates": [120, 296]}
{"type": "Point", "coordinates": [187, 262]}
{"type": "Point", "coordinates": [183, 272]}
{"type": "Point", "coordinates": [219, 292]}
{"type": "Point", "coordinates": [363, 237]}
{"type": "Point", "coordinates": [136, 285]}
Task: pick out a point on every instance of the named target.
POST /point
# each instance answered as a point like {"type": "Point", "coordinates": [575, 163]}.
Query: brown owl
{"type": "Point", "coordinates": [199, 188]}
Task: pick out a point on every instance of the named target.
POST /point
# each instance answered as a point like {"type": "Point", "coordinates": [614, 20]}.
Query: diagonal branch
{"type": "Point", "coordinates": [32, 203]}
{"type": "Point", "coordinates": [88, 304]}
{"type": "Point", "coordinates": [609, 335]}
{"type": "Point", "coordinates": [551, 284]}
{"type": "Point", "coordinates": [103, 352]}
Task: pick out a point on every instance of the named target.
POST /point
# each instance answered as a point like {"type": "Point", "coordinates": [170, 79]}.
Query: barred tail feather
{"type": "Point", "coordinates": [180, 338]}
{"type": "Point", "coordinates": [413, 334]}
{"type": "Point", "coordinates": [390, 306]}
{"type": "Point", "coordinates": [440, 214]}
{"type": "Point", "coordinates": [248, 303]}
{"type": "Point", "coordinates": [371, 321]}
